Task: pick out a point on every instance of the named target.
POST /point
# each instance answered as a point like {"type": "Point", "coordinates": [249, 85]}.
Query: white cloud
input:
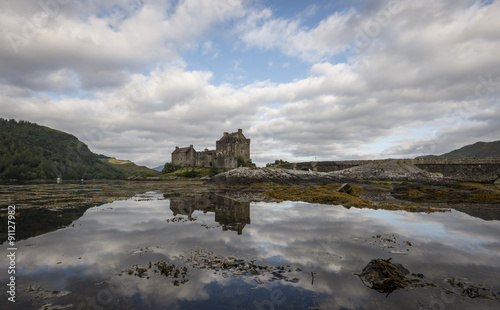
{"type": "Point", "coordinates": [263, 31]}
{"type": "Point", "coordinates": [114, 74]}
{"type": "Point", "coordinates": [102, 45]}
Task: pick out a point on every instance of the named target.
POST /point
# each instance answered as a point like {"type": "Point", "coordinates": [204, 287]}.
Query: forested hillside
{"type": "Point", "coordinates": [30, 151]}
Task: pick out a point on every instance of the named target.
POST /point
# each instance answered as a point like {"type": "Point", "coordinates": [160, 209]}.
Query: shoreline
{"type": "Point", "coordinates": [376, 194]}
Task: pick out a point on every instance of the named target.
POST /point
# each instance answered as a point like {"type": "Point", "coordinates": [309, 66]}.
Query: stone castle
{"type": "Point", "coordinates": [226, 153]}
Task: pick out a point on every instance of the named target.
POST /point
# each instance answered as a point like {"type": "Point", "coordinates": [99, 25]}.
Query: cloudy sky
{"type": "Point", "coordinates": [305, 80]}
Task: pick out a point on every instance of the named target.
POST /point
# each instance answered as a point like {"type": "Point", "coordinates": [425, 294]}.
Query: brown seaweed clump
{"type": "Point", "coordinates": [386, 277]}
{"type": "Point", "coordinates": [167, 269]}
{"type": "Point", "coordinates": [330, 194]}
{"type": "Point", "coordinates": [463, 287]}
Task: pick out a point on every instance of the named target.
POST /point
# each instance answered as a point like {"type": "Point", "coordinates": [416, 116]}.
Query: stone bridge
{"type": "Point", "coordinates": [466, 169]}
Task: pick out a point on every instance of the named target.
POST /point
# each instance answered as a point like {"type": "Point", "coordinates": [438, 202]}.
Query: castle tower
{"type": "Point", "coordinates": [230, 147]}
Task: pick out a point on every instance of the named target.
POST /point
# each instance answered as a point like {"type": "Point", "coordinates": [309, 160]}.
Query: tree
{"type": "Point", "coordinates": [170, 167]}
{"type": "Point", "coordinates": [277, 163]}
{"type": "Point", "coordinates": [213, 171]}
{"type": "Point", "coordinates": [243, 163]}
{"type": "Point", "coordinates": [30, 151]}
{"type": "Point", "coordinates": [192, 173]}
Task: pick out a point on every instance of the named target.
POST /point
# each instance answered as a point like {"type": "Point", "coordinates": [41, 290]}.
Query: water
{"type": "Point", "coordinates": [312, 251]}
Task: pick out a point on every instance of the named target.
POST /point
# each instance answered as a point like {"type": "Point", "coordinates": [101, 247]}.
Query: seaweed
{"type": "Point", "coordinates": [385, 277]}
{"type": "Point", "coordinates": [328, 194]}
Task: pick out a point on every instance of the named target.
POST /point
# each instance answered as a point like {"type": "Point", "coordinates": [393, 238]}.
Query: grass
{"type": "Point", "coordinates": [115, 161]}
{"type": "Point", "coordinates": [189, 172]}
{"type": "Point", "coordinates": [487, 187]}
{"type": "Point", "coordinates": [129, 168]}
{"type": "Point", "coordinates": [327, 194]}
{"type": "Point", "coordinates": [386, 182]}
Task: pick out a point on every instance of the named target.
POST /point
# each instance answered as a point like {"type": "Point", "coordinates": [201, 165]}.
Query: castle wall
{"type": "Point", "coordinates": [227, 161]}
{"type": "Point", "coordinates": [206, 158]}
{"type": "Point", "coordinates": [226, 154]}
{"type": "Point", "coordinates": [185, 159]}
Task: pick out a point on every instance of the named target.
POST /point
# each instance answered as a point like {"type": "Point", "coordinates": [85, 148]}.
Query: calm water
{"type": "Point", "coordinates": [309, 256]}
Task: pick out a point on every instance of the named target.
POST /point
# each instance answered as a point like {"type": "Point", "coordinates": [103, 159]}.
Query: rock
{"type": "Point", "coordinates": [205, 178]}
{"type": "Point", "coordinates": [50, 306]}
{"type": "Point", "coordinates": [345, 188]}
{"type": "Point", "coordinates": [395, 170]}
{"type": "Point", "coordinates": [463, 287]}
{"type": "Point", "coordinates": [266, 175]}
{"type": "Point", "coordinates": [384, 276]}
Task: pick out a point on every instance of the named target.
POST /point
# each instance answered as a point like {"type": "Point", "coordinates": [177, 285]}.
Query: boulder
{"type": "Point", "coordinates": [346, 188]}
{"type": "Point", "coordinates": [384, 276]}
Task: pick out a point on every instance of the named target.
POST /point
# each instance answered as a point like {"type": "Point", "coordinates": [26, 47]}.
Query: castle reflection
{"type": "Point", "coordinates": [230, 214]}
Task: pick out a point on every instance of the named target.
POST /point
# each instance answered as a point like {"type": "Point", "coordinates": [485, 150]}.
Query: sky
{"type": "Point", "coordinates": [305, 80]}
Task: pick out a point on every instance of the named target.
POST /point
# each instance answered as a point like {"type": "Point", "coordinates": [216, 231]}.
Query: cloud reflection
{"type": "Point", "coordinates": [331, 243]}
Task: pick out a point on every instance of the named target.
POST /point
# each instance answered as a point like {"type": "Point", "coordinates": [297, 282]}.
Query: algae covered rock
{"type": "Point", "coordinates": [384, 276]}
{"type": "Point", "coordinates": [463, 287]}
{"type": "Point", "coordinates": [346, 188]}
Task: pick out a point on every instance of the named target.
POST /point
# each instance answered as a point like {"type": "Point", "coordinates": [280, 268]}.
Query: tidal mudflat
{"type": "Point", "coordinates": [167, 248]}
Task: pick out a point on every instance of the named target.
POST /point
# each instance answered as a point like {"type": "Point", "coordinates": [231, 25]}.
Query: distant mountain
{"type": "Point", "coordinates": [29, 151]}
{"type": "Point", "coordinates": [476, 150]}
{"type": "Point", "coordinates": [159, 168]}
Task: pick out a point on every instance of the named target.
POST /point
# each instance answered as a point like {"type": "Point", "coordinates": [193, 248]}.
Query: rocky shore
{"type": "Point", "coordinates": [273, 175]}
{"type": "Point", "coordinates": [393, 171]}
{"type": "Point", "coordinates": [393, 185]}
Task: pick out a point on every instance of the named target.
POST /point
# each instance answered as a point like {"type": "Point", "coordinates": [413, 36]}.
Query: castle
{"type": "Point", "coordinates": [226, 153]}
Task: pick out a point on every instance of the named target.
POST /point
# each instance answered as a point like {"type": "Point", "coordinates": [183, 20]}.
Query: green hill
{"type": "Point", "coordinates": [129, 168]}
{"type": "Point", "coordinates": [476, 150]}
{"type": "Point", "coordinates": [29, 151]}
